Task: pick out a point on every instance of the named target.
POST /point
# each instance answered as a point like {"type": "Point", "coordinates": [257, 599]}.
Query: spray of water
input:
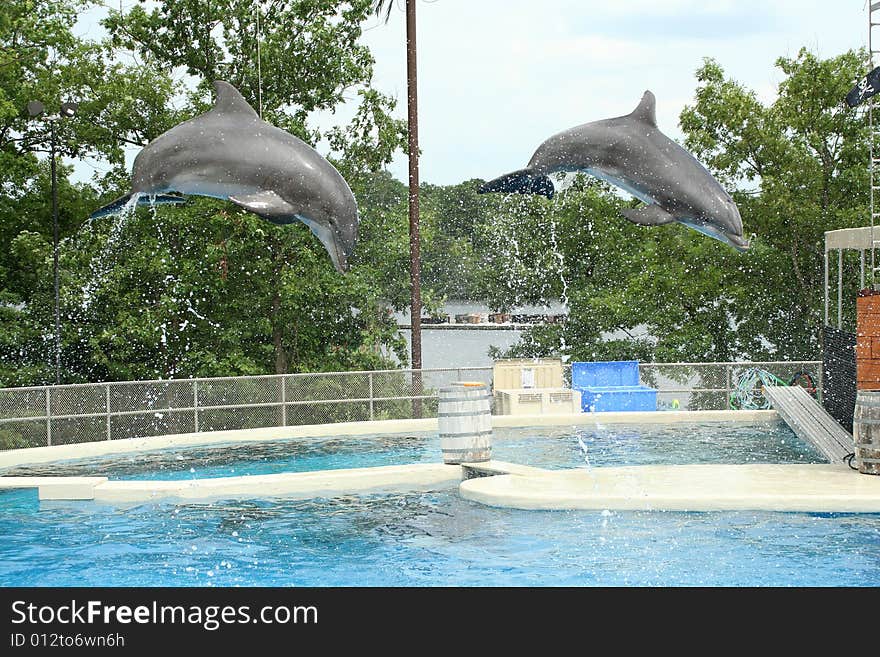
{"type": "Point", "coordinates": [102, 264]}
{"type": "Point", "coordinates": [585, 450]}
{"type": "Point", "coordinates": [563, 347]}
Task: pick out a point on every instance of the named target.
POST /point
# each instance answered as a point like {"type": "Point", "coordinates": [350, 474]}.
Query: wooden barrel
{"type": "Point", "coordinates": [866, 431]}
{"type": "Point", "coordinates": [464, 420]}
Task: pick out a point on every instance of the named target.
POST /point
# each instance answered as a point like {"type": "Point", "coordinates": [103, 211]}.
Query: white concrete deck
{"type": "Point", "coordinates": [808, 488]}
{"type": "Point", "coordinates": [296, 485]}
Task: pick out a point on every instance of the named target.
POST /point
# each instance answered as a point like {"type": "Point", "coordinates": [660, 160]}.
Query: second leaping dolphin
{"type": "Point", "coordinates": [230, 153]}
{"type": "Point", "coordinates": [630, 152]}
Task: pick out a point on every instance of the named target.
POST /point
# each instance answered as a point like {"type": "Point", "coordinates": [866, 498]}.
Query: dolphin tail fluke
{"type": "Point", "coordinates": [524, 181]}
{"type": "Point", "coordinates": [116, 206]}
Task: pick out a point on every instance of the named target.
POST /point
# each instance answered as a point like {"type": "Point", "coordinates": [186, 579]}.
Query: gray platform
{"type": "Point", "coordinates": [810, 421]}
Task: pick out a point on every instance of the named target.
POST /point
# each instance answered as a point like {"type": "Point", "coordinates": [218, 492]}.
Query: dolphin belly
{"type": "Point", "coordinates": [623, 184]}
{"type": "Point", "coordinates": [195, 183]}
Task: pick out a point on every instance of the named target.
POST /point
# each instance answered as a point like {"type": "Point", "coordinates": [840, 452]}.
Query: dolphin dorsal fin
{"type": "Point", "coordinates": [646, 111]}
{"type": "Point", "coordinates": [230, 101]}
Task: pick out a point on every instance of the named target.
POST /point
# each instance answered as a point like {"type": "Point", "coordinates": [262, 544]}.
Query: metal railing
{"type": "Point", "coordinates": [52, 415]}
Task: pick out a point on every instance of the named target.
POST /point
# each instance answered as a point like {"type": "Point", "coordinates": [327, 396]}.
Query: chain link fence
{"type": "Point", "coordinates": [57, 415]}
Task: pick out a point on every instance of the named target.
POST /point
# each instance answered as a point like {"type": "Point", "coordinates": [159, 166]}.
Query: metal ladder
{"type": "Point", "coordinates": [874, 146]}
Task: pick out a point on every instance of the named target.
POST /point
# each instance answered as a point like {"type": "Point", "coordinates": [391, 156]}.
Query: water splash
{"type": "Point", "coordinates": [102, 264]}
{"type": "Point", "coordinates": [563, 346]}
{"type": "Point", "coordinates": [585, 450]}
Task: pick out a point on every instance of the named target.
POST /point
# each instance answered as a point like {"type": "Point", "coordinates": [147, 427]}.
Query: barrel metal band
{"type": "Point", "coordinates": [866, 403]}
{"type": "Point", "coordinates": [477, 413]}
{"type": "Point", "coordinates": [868, 460]}
{"type": "Point", "coordinates": [463, 399]}
{"type": "Point", "coordinates": [468, 434]}
{"type": "Point", "coordinates": [867, 420]}
{"type": "Point", "coordinates": [868, 445]}
{"type": "Point", "coordinates": [465, 452]}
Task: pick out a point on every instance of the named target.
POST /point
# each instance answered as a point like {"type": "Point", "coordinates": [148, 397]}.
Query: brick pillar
{"type": "Point", "coordinates": [868, 340]}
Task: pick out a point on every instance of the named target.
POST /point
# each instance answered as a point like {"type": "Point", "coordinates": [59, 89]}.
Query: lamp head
{"type": "Point", "coordinates": [68, 109]}
{"type": "Point", "coordinates": [35, 108]}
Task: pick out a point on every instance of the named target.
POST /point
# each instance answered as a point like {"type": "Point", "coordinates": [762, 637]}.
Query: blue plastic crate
{"type": "Point", "coordinates": [612, 386]}
{"type": "Point", "coordinates": [605, 373]}
{"type": "Point", "coordinates": [597, 399]}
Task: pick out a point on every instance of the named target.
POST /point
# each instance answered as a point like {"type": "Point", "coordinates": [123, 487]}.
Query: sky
{"type": "Point", "coordinates": [497, 77]}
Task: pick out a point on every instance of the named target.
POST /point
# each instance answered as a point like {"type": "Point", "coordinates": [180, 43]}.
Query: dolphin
{"type": "Point", "coordinates": [630, 152]}
{"type": "Point", "coordinates": [230, 153]}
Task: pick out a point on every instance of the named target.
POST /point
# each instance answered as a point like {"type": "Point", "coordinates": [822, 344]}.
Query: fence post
{"type": "Point", "coordinates": [196, 404]}
{"type": "Point", "coordinates": [283, 400]}
{"type": "Point", "coordinates": [728, 387]}
{"type": "Point", "coordinates": [107, 400]}
{"type": "Point", "coordinates": [370, 381]}
{"type": "Point", "coordinates": [48, 416]}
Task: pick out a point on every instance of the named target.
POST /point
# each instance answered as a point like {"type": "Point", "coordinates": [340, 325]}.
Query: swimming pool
{"type": "Point", "coordinates": [436, 538]}
{"type": "Point", "coordinates": [433, 539]}
{"type": "Point", "coordinates": [556, 448]}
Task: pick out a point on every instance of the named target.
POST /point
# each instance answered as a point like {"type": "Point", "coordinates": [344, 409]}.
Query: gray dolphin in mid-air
{"type": "Point", "coordinates": [230, 153]}
{"type": "Point", "coordinates": [631, 153]}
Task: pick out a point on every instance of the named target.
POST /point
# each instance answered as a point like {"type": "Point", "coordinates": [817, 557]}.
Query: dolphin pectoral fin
{"type": "Point", "coordinates": [648, 215]}
{"type": "Point", "coordinates": [268, 205]}
{"type": "Point", "coordinates": [524, 181]}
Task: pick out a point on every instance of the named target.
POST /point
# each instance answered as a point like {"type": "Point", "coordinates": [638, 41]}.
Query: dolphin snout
{"type": "Point", "coordinates": [738, 242]}
{"type": "Point", "coordinates": [344, 239]}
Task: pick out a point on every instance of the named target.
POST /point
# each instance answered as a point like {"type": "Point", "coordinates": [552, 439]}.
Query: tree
{"type": "Point", "coordinates": [206, 289]}
{"type": "Point", "coordinates": [797, 168]}
{"type": "Point", "coordinates": [41, 59]}
{"type": "Point", "coordinates": [801, 163]}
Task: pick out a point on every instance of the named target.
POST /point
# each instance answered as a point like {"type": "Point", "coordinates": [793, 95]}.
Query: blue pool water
{"type": "Point", "coordinates": [436, 539]}
{"type": "Point", "coordinates": [552, 448]}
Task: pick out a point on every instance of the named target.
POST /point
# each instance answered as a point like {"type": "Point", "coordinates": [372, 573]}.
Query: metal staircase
{"type": "Point", "coordinates": [874, 143]}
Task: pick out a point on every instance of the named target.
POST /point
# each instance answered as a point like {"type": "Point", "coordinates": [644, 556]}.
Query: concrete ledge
{"type": "Point", "coordinates": [493, 468]}
{"type": "Point", "coordinates": [56, 488]}
{"type": "Point", "coordinates": [301, 485]}
{"type": "Point", "coordinates": [297, 485]}
{"type": "Point", "coordinates": [33, 455]}
{"type": "Point", "coordinates": [765, 487]}
{"type": "Point", "coordinates": [634, 417]}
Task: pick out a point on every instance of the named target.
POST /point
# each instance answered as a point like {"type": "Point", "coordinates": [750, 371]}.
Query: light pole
{"type": "Point", "coordinates": [35, 108]}
{"type": "Point", "coordinates": [415, 266]}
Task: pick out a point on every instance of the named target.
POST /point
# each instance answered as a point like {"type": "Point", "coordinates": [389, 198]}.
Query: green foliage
{"type": "Point", "coordinates": [205, 289]}
{"type": "Point", "coordinates": [797, 168]}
